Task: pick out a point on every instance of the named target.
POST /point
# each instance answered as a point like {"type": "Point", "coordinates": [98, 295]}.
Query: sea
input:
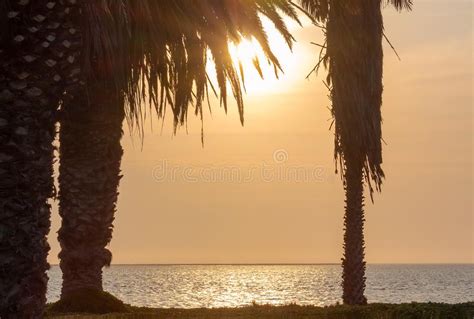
{"type": "Point", "coordinates": [195, 286]}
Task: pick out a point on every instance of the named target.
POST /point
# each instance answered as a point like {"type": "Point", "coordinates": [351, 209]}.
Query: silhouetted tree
{"type": "Point", "coordinates": [39, 54]}
{"type": "Point", "coordinates": [159, 51]}
{"type": "Point", "coordinates": [354, 57]}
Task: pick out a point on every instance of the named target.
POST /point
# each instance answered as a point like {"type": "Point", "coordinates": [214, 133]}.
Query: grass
{"type": "Point", "coordinates": [372, 311]}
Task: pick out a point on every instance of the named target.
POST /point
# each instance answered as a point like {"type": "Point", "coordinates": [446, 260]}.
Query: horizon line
{"type": "Point", "coordinates": [277, 264]}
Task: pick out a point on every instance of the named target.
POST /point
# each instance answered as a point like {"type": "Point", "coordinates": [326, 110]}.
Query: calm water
{"type": "Point", "coordinates": [193, 286]}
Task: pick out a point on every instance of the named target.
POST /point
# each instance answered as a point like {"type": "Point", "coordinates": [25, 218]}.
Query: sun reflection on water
{"type": "Point", "coordinates": [196, 286]}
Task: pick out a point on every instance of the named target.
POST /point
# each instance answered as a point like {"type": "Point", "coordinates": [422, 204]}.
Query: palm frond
{"type": "Point", "coordinates": [105, 33]}
{"type": "Point", "coordinates": [401, 4]}
{"type": "Point", "coordinates": [157, 51]}
{"type": "Point", "coordinates": [354, 58]}
{"type": "Point", "coordinates": [354, 49]}
{"type": "Point", "coordinates": [318, 9]}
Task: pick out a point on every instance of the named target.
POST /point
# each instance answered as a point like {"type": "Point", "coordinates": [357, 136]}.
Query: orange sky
{"type": "Point", "coordinates": [206, 214]}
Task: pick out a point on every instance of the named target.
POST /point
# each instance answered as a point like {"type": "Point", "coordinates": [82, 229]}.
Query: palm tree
{"type": "Point", "coordinates": [164, 46]}
{"type": "Point", "coordinates": [354, 57]}
{"type": "Point", "coordinates": [90, 150]}
{"type": "Point", "coordinates": [89, 175]}
{"type": "Point", "coordinates": [36, 66]}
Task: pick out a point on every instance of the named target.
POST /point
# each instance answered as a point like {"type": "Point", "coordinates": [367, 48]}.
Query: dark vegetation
{"type": "Point", "coordinates": [89, 301]}
{"type": "Point", "coordinates": [372, 311]}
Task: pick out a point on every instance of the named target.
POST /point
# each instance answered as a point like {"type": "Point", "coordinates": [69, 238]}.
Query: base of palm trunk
{"type": "Point", "coordinates": [88, 300]}
{"type": "Point", "coordinates": [82, 268]}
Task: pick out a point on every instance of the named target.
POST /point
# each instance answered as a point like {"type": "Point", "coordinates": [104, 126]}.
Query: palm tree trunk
{"type": "Point", "coordinates": [26, 184]}
{"type": "Point", "coordinates": [353, 263]}
{"type": "Point", "coordinates": [354, 47]}
{"type": "Point", "coordinates": [90, 155]}
{"type": "Point", "coordinates": [35, 69]}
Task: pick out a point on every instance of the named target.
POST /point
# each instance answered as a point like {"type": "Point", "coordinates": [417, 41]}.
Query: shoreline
{"type": "Point", "coordinates": [291, 311]}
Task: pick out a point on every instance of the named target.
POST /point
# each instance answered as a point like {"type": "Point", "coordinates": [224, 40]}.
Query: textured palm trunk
{"type": "Point", "coordinates": [90, 155]}
{"type": "Point", "coordinates": [35, 68]}
{"type": "Point", "coordinates": [354, 45]}
{"type": "Point", "coordinates": [26, 134]}
{"type": "Point", "coordinates": [353, 264]}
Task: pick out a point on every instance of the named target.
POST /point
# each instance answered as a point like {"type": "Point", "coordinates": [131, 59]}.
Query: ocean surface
{"type": "Point", "coordinates": [191, 286]}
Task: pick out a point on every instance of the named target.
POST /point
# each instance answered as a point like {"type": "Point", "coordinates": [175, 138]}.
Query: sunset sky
{"type": "Point", "coordinates": [236, 200]}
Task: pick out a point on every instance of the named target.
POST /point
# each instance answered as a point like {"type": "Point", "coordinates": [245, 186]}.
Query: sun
{"type": "Point", "coordinates": [248, 51]}
{"type": "Point", "coordinates": [245, 51]}
{"type": "Point", "coordinates": [245, 54]}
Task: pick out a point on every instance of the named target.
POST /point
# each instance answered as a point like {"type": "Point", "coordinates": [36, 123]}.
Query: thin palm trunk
{"type": "Point", "coordinates": [353, 263]}
{"type": "Point", "coordinates": [354, 47]}
{"type": "Point", "coordinates": [90, 155]}
{"type": "Point", "coordinates": [35, 69]}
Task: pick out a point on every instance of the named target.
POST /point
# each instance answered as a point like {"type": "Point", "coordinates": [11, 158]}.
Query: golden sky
{"type": "Point", "coordinates": [267, 192]}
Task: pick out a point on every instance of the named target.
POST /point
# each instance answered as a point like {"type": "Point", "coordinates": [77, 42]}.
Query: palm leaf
{"type": "Point", "coordinates": [401, 4]}
{"type": "Point", "coordinates": [157, 51]}
{"type": "Point", "coordinates": [353, 56]}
